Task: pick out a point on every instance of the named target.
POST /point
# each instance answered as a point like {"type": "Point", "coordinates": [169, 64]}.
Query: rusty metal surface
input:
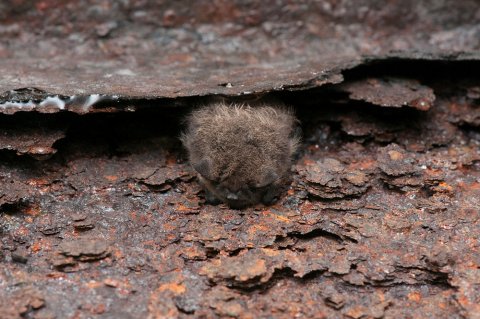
{"type": "Point", "coordinates": [391, 92]}
{"type": "Point", "coordinates": [101, 216]}
{"type": "Point", "coordinates": [381, 220]}
{"type": "Point", "coordinates": [36, 138]}
{"type": "Point", "coordinates": [152, 49]}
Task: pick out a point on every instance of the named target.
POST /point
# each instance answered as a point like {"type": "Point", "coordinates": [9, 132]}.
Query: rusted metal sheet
{"type": "Point", "coordinates": [107, 51]}
{"type": "Point", "coordinates": [391, 92]}
{"type": "Point", "coordinates": [371, 227]}
{"type": "Point", "coordinates": [35, 138]}
{"type": "Point", "coordinates": [381, 219]}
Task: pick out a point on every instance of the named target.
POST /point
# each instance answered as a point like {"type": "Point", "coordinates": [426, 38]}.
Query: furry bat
{"type": "Point", "coordinates": [242, 154]}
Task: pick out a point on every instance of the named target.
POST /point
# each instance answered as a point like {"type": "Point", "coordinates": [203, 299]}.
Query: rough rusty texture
{"type": "Point", "coordinates": [101, 216]}
{"type": "Point", "coordinates": [35, 138]}
{"type": "Point", "coordinates": [152, 49]}
{"type": "Point", "coordinates": [381, 220]}
{"type": "Point", "coordinates": [391, 92]}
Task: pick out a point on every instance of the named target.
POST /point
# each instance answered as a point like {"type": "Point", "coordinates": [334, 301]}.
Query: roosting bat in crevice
{"type": "Point", "coordinates": [242, 154]}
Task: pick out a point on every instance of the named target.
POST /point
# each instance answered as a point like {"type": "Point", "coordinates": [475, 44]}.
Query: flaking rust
{"type": "Point", "coordinates": [378, 221]}
{"type": "Point", "coordinates": [391, 92]}
{"type": "Point", "coordinates": [168, 50]}
{"type": "Point", "coordinates": [381, 218]}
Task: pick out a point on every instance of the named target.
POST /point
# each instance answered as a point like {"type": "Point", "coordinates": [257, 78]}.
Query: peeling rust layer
{"type": "Point", "coordinates": [36, 137]}
{"type": "Point", "coordinates": [101, 216]}
{"type": "Point", "coordinates": [391, 92]}
{"type": "Point", "coordinates": [381, 220]}
{"type": "Point", "coordinates": [72, 50]}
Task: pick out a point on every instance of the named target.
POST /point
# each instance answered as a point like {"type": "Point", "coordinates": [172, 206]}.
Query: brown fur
{"type": "Point", "coordinates": [242, 154]}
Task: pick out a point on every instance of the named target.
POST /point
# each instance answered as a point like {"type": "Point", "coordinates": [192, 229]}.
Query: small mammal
{"type": "Point", "coordinates": [242, 154]}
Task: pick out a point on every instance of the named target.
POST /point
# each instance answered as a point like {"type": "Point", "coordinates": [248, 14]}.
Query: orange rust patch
{"type": "Point", "coordinates": [169, 227]}
{"type": "Point", "coordinates": [173, 287]}
{"type": "Point", "coordinates": [270, 252]}
{"type": "Point", "coordinates": [38, 182]}
{"type": "Point", "coordinates": [256, 228]}
{"type": "Point", "coordinates": [463, 300]}
{"type": "Point", "coordinates": [36, 247]}
{"type": "Point", "coordinates": [94, 284]}
{"type": "Point", "coordinates": [414, 296]}
{"type": "Point", "coordinates": [475, 186]}
{"type": "Point", "coordinates": [356, 312]}
{"type": "Point", "coordinates": [308, 162]}
{"type": "Point", "coordinates": [257, 269]}
{"type": "Point", "coordinates": [33, 211]}
{"type": "Point", "coordinates": [363, 165]}
{"type": "Point", "coordinates": [117, 253]}
{"type": "Point", "coordinates": [276, 216]}
{"type": "Point", "coordinates": [443, 186]}
{"type": "Point", "coordinates": [111, 178]}
{"type": "Point", "coordinates": [182, 208]}
{"type": "Point", "coordinates": [395, 155]}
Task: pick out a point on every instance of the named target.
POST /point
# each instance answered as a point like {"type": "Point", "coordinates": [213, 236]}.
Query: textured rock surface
{"type": "Point", "coordinates": [382, 219]}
